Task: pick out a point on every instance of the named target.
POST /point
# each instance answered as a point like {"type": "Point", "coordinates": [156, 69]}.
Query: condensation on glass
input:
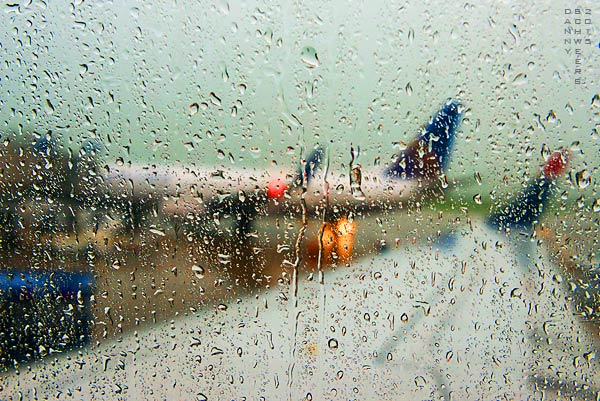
{"type": "Point", "coordinates": [251, 200]}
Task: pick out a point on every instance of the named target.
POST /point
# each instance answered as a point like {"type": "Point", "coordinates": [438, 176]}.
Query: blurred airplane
{"type": "Point", "coordinates": [43, 186]}
{"type": "Point", "coordinates": [246, 193]}
{"type": "Point", "coordinates": [47, 191]}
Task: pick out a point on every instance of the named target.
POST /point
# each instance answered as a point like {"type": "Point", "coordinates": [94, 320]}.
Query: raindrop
{"type": "Point", "coordinates": [214, 99]}
{"type": "Point", "coordinates": [411, 35]}
{"type": "Point", "coordinates": [589, 355]}
{"type": "Point", "coordinates": [157, 232]}
{"type": "Point", "coordinates": [193, 109]}
{"type": "Point", "coordinates": [569, 108]}
{"type": "Point", "coordinates": [332, 343]}
{"type": "Point", "coordinates": [443, 181]}
{"type": "Point", "coordinates": [356, 176]}
{"type": "Point", "coordinates": [355, 180]}
{"type": "Point", "coordinates": [583, 178]}
{"type": "Point", "coordinates": [420, 381]}
{"type": "Point", "coordinates": [224, 259]}
{"type": "Point", "coordinates": [198, 271]}
{"type": "Point", "coordinates": [546, 152]}
{"type": "Point", "coordinates": [408, 89]}
{"type": "Point", "coordinates": [49, 107]}
{"type": "Point", "coordinates": [520, 79]}
{"type": "Point", "coordinates": [225, 75]}
{"type": "Point", "coordinates": [596, 205]}
{"type": "Point", "coordinates": [400, 145]}
{"type": "Point", "coordinates": [477, 199]}
{"type": "Point", "coordinates": [309, 57]}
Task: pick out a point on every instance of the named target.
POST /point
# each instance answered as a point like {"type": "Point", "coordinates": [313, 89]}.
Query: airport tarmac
{"type": "Point", "coordinates": [468, 314]}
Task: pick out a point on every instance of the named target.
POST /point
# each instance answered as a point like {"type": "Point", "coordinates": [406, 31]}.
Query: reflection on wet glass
{"type": "Point", "coordinates": [272, 201]}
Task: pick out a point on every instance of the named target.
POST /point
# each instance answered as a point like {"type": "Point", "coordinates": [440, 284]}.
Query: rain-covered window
{"type": "Point", "coordinates": [244, 200]}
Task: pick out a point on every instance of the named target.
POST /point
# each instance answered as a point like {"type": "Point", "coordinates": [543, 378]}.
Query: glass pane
{"type": "Point", "coordinates": [306, 200]}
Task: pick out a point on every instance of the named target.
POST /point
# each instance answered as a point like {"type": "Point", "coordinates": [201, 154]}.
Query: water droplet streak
{"type": "Point", "coordinates": [356, 176]}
